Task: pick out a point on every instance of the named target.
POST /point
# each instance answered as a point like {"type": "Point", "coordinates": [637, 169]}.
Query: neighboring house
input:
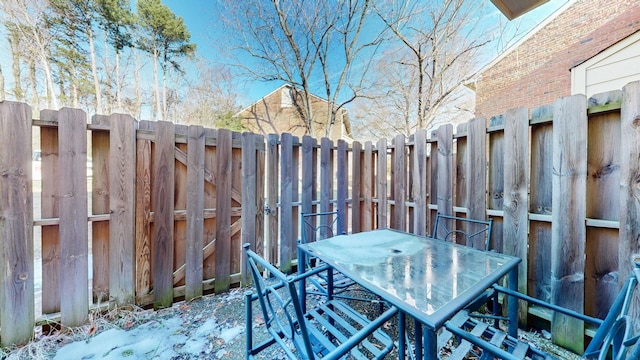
{"type": "Point", "coordinates": [276, 113]}
{"type": "Point", "coordinates": [586, 47]}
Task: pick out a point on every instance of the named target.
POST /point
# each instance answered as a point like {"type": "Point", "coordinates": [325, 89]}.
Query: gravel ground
{"type": "Point", "coordinates": [226, 340]}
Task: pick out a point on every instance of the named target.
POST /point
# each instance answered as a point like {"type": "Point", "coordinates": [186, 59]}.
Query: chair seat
{"type": "Point", "coordinates": [463, 328]}
{"type": "Point", "coordinates": [342, 322]}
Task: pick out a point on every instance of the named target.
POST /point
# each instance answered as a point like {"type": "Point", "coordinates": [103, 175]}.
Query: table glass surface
{"type": "Point", "coordinates": [422, 274]}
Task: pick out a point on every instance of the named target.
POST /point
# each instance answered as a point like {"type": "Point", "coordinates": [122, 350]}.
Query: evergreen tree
{"type": "Point", "coordinates": [166, 38]}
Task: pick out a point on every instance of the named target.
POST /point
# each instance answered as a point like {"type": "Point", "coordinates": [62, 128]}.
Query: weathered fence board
{"type": "Point", "coordinates": [342, 186]}
{"type": "Point", "coordinates": [516, 194]}
{"type": "Point", "coordinates": [356, 187]}
{"type": "Point", "coordinates": [272, 198]}
{"type": "Point", "coordinates": [195, 213]}
{"type": "Point", "coordinates": [122, 222]}
{"type": "Point", "coordinates": [568, 229]}
{"type": "Point", "coordinates": [50, 208]}
{"type": "Point", "coordinates": [287, 239]}
{"type": "Point", "coordinates": [495, 187]}
{"type": "Point", "coordinates": [381, 184]}
{"type": "Point", "coordinates": [143, 212]}
{"type": "Point", "coordinates": [419, 194]}
{"type": "Point", "coordinates": [100, 148]}
{"type": "Point", "coordinates": [398, 181]}
{"type": "Point", "coordinates": [223, 211]}
{"type": "Point", "coordinates": [476, 178]}
{"type": "Point", "coordinates": [444, 158]}
{"type": "Point", "coordinates": [74, 246]}
{"type": "Point", "coordinates": [630, 182]}
{"type": "Point", "coordinates": [367, 187]}
{"type": "Point", "coordinates": [163, 203]}
{"type": "Point", "coordinates": [16, 230]}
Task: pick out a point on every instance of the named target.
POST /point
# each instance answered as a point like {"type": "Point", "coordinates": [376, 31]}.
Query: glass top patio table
{"type": "Point", "coordinates": [428, 279]}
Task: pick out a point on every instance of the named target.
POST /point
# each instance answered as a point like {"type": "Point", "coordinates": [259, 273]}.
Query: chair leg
{"type": "Point", "coordinates": [248, 315]}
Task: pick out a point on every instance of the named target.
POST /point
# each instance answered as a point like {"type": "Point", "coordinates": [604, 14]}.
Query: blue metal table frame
{"type": "Point", "coordinates": [427, 279]}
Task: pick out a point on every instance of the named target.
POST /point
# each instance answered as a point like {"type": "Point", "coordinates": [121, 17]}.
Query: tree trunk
{"type": "Point", "coordinates": [155, 77]}
{"type": "Point", "coordinates": [421, 71]}
{"type": "Point", "coordinates": [136, 80]}
{"type": "Point", "coordinates": [35, 98]}
{"type": "Point", "coordinates": [108, 105]}
{"type": "Point", "coordinates": [94, 70]}
{"type": "Point", "coordinates": [118, 84]}
{"type": "Point", "coordinates": [14, 42]}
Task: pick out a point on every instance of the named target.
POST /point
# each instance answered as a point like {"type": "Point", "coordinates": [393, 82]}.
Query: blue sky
{"type": "Point", "coordinates": [199, 16]}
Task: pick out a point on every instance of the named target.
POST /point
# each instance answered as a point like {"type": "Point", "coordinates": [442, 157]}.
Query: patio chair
{"type": "Point", "coordinates": [474, 232]}
{"type": "Point", "coordinates": [329, 330]}
{"type": "Point", "coordinates": [318, 226]}
{"type": "Point", "coordinates": [614, 336]}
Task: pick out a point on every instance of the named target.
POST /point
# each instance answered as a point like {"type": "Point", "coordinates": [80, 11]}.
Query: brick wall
{"type": "Point", "coordinates": [269, 116]}
{"type": "Point", "coordinates": [538, 71]}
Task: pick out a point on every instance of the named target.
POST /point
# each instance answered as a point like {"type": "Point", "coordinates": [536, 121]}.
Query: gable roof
{"type": "Point", "coordinates": [271, 93]}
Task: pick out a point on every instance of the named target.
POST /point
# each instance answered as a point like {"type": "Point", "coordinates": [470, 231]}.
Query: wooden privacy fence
{"type": "Point", "coordinates": [171, 205]}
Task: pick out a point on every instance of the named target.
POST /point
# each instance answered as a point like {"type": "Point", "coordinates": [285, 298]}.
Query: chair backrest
{"type": "Point", "coordinates": [280, 304]}
{"type": "Point", "coordinates": [472, 232]}
{"type": "Point", "coordinates": [318, 226]}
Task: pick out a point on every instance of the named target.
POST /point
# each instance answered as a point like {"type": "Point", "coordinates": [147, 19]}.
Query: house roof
{"type": "Point", "coordinates": [271, 93]}
{"type": "Point", "coordinates": [514, 8]}
{"type": "Point", "coordinates": [471, 83]}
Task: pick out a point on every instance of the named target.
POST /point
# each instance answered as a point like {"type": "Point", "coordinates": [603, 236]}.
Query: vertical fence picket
{"type": "Point", "coordinates": [16, 225]}
{"type": "Point", "coordinates": [367, 187]}
{"type": "Point", "coordinates": [540, 199]}
{"type": "Point", "coordinates": [100, 205]}
{"type": "Point", "coordinates": [326, 175]}
{"type": "Point", "coordinates": [308, 179]}
{"type": "Point", "coordinates": [630, 184]}
{"type": "Point", "coordinates": [122, 223]}
{"type": "Point", "coordinates": [250, 210]}
{"type": "Point", "coordinates": [50, 208]}
{"type": "Point", "coordinates": [356, 186]}
{"type": "Point", "coordinates": [461, 176]}
{"type": "Point", "coordinates": [163, 202]}
{"type": "Point", "coordinates": [259, 189]}
{"type": "Point", "coordinates": [568, 229]}
{"type": "Point", "coordinates": [342, 184]}
{"type": "Point", "coordinates": [476, 176]}
{"type": "Point", "coordinates": [398, 176]}
{"type": "Point", "coordinates": [209, 224]}
{"type": "Point", "coordinates": [287, 241]}
{"type": "Point", "coordinates": [496, 176]}
{"type": "Point", "coordinates": [273, 157]}
{"type": "Point", "coordinates": [195, 213]}
{"type": "Point", "coordinates": [74, 246]}
{"type": "Point", "coordinates": [516, 194]}
{"type": "Point", "coordinates": [381, 184]}
{"type": "Point", "coordinates": [223, 211]}
{"type": "Point", "coordinates": [180, 195]}
{"type": "Point", "coordinates": [419, 187]}
{"type": "Point", "coordinates": [602, 203]}
{"type": "Point", "coordinates": [444, 182]}
{"type": "Point", "coordinates": [143, 218]}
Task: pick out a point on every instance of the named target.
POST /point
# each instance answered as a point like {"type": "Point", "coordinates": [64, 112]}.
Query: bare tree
{"type": "Point", "coordinates": [438, 46]}
{"type": "Point", "coordinates": [311, 46]}
{"type": "Point", "coordinates": [28, 17]}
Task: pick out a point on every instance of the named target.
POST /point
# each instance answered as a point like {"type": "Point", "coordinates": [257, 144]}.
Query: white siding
{"type": "Point", "coordinates": [610, 70]}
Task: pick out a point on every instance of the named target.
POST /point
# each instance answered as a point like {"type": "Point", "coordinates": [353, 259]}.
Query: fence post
{"type": "Point", "coordinates": [568, 229]}
{"type": "Point", "coordinates": [16, 225]}
{"type": "Point", "coordinates": [100, 205]}
{"type": "Point", "coordinates": [74, 246]}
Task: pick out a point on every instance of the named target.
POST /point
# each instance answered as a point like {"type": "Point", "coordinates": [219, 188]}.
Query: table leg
{"type": "Point", "coordinates": [513, 303]}
{"type": "Point", "coordinates": [430, 344]}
